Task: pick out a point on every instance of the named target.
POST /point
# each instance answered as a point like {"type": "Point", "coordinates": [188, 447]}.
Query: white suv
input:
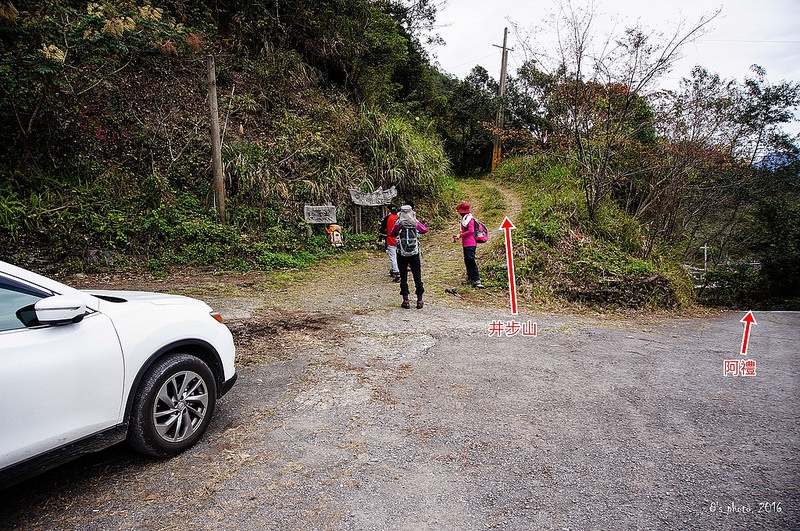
{"type": "Point", "coordinates": [83, 370]}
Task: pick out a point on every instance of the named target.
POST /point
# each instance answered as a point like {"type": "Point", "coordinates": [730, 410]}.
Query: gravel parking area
{"type": "Point", "coordinates": [367, 416]}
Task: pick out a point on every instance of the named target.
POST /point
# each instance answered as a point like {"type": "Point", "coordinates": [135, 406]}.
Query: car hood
{"type": "Point", "coordinates": [145, 297]}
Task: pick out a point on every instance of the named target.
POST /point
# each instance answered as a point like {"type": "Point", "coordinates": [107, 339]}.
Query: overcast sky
{"type": "Point", "coordinates": [763, 32]}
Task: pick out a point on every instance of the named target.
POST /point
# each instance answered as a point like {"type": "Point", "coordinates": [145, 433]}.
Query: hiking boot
{"type": "Point", "coordinates": [478, 284]}
{"type": "Point", "coordinates": [419, 304]}
{"type": "Point", "coordinates": [405, 304]}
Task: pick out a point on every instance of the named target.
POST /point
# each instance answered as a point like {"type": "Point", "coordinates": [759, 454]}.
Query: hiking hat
{"type": "Point", "coordinates": [463, 208]}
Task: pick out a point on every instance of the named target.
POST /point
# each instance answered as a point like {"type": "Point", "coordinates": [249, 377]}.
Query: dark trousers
{"type": "Point", "coordinates": [472, 265]}
{"type": "Point", "coordinates": [416, 271]}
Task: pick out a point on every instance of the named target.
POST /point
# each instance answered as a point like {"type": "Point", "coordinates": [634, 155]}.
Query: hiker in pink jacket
{"type": "Point", "coordinates": [467, 237]}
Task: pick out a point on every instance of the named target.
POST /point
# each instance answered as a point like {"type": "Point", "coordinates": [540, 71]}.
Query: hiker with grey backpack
{"type": "Point", "coordinates": [407, 230]}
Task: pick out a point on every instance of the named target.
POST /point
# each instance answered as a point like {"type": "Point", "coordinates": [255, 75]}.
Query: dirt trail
{"type": "Point", "coordinates": [443, 263]}
{"type": "Point", "coordinates": [360, 281]}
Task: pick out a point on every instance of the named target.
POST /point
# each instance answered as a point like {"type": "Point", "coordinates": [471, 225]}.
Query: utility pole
{"type": "Point", "coordinates": [705, 249]}
{"type": "Point", "coordinates": [216, 149]}
{"type": "Point", "coordinates": [498, 123]}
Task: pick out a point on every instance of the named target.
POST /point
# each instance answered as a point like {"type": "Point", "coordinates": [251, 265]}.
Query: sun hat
{"type": "Point", "coordinates": [463, 208]}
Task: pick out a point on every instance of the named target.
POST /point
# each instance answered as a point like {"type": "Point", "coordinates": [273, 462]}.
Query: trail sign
{"type": "Point", "coordinates": [319, 214]}
{"type": "Point", "coordinates": [379, 197]}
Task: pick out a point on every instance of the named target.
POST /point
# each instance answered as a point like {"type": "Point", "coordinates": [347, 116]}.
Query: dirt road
{"type": "Point", "coordinates": [352, 413]}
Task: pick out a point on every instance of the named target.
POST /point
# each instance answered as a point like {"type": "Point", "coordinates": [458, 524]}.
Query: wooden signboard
{"type": "Point", "coordinates": [319, 214]}
{"type": "Point", "coordinates": [379, 197]}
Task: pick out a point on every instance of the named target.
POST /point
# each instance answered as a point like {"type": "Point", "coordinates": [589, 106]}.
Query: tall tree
{"type": "Point", "coordinates": [472, 105]}
{"type": "Point", "coordinates": [761, 107]}
{"type": "Point", "coordinates": [703, 176]}
{"type": "Point", "coordinates": [55, 55]}
{"type": "Point", "coordinates": [597, 104]}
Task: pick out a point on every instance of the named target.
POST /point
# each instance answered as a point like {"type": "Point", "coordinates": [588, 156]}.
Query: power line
{"type": "Point", "coordinates": [745, 41]}
{"type": "Point", "coordinates": [475, 61]}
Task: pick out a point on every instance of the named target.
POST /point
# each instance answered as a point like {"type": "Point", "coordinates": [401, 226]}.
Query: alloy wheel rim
{"type": "Point", "coordinates": [180, 406]}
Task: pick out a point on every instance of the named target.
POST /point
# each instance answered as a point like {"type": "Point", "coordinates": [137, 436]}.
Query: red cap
{"type": "Point", "coordinates": [463, 208]}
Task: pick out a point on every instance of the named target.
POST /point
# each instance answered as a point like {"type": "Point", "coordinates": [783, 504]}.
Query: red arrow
{"type": "Point", "coordinates": [512, 284]}
{"type": "Point", "coordinates": [748, 321]}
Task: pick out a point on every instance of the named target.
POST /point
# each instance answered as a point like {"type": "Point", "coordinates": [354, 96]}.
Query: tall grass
{"type": "Point", "coordinates": [317, 159]}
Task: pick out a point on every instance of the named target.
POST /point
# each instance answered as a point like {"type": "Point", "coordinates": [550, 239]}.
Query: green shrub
{"type": "Point", "coordinates": [730, 286]}
{"type": "Point", "coordinates": [268, 260]}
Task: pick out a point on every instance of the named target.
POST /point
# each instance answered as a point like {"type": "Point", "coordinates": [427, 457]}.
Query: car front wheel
{"type": "Point", "coordinates": [173, 406]}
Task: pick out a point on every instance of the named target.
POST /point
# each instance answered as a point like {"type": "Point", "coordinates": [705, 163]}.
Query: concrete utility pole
{"type": "Point", "coordinates": [705, 249]}
{"type": "Point", "coordinates": [216, 149]}
{"type": "Point", "coordinates": [498, 123]}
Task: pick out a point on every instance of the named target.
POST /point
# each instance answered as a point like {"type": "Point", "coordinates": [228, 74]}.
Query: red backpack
{"type": "Point", "coordinates": [481, 232]}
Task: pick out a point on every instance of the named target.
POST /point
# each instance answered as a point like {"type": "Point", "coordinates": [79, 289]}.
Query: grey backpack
{"type": "Point", "coordinates": [408, 240]}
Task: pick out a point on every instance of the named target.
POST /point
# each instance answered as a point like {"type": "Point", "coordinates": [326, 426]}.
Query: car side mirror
{"type": "Point", "coordinates": [60, 310]}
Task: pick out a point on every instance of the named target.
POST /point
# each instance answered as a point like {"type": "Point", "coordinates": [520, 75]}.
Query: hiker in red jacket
{"type": "Point", "coordinates": [391, 244]}
{"type": "Point", "coordinates": [467, 237]}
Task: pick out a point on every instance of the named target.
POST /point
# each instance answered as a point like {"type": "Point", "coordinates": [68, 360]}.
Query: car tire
{"type": "Point", "coordinates": [173, 406]}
